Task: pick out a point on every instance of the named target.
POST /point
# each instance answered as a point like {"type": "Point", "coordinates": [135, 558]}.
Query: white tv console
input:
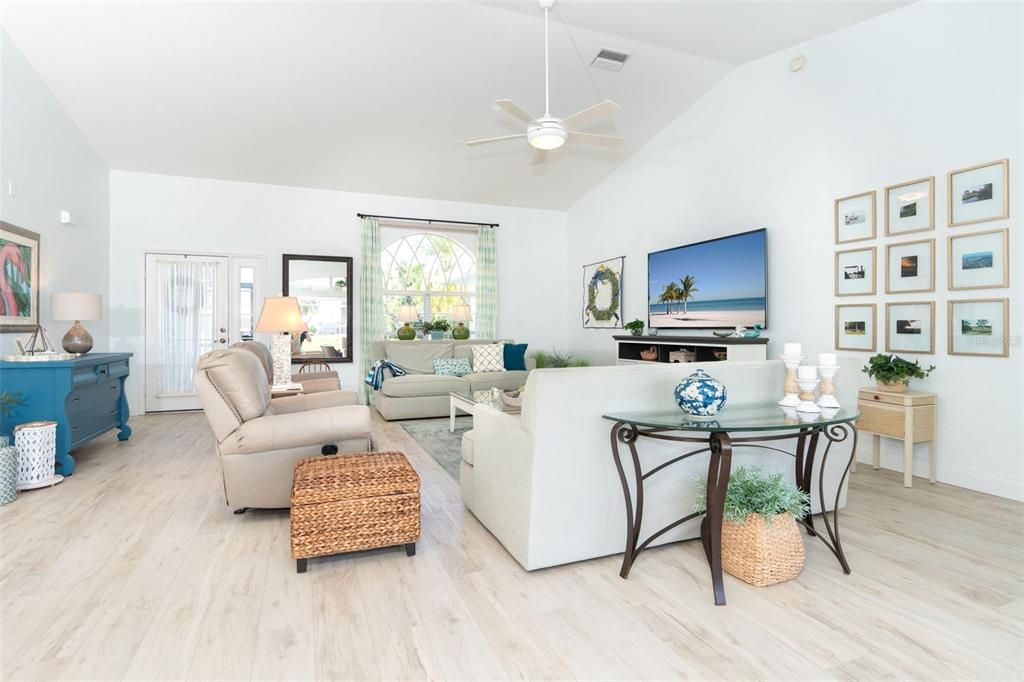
{"type": "Point", "coordinates": [703, 348]}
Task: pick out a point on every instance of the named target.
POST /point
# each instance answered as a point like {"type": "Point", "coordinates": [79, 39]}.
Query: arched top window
{"type": "Point", "coordinates": [431, 271]}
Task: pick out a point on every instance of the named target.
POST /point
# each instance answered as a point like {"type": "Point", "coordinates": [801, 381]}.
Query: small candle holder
{"type": "Point", "coordinates": [828, 388]}
{"type": "Point", "coordinates": [807, 387]}
{"type": "Point", "coordinates": [790, 388]}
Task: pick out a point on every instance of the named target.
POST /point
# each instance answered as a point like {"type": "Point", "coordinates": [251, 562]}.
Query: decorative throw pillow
{"type": "Point", "coordinates": [515, 356]}
{"type": "Point", "coordinates": [452, 367]}
{"type": "Point", "coordinates": [489, 357]}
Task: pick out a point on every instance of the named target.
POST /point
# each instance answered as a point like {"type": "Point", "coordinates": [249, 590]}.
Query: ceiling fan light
{"type": "Point", "coordinates": [546, 135]}
{"type": "Point", "coordinates": [547, 141]}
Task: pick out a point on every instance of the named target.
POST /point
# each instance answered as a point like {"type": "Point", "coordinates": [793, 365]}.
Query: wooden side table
{"type": "Point", "coordinates": [909, 416]}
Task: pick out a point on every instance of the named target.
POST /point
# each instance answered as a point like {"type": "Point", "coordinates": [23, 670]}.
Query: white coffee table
{"type": "Point", "coordinates": [468, 400]}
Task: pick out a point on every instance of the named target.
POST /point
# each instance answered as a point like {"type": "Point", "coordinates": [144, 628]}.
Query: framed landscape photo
{"type": "Point", "coordinates": [855, 218]}
{"type": "Point", "coordinates": [910, 327]}
{"type": "Point", "coordinates": [855, 272]}
{"type": "Point", "coordinates": [979, 193]}
{"type": "Point", "coordinates": [19, 279]}
{"type": "Point", "coordinates": [979, 327]}
{"type": "Point", "coordinates": [910, 266]}
{"type": "Point", "coordinates": [855, 327]}
{"type": "Point", "coordinates": [910, 207]}
{"type": "Point", "coordinates": [979, 260]}
{"type": "Point", "coordinates": [602, 294]}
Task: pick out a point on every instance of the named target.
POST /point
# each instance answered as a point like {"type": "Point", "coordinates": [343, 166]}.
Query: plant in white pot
{"type": "Point", "coordinates": [761, 541]}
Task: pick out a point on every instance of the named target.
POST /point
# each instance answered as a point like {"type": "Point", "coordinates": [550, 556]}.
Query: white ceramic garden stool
{"type": "Point", "coordinates": [36, 443]}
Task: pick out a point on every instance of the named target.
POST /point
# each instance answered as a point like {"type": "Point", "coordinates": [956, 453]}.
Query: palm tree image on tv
{"type": "Point", "coordinates": [687, 289]}
{"type": "Point", "coordinates": [715, 284]}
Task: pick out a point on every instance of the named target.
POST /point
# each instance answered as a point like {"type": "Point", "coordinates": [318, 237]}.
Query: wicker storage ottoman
{"type": "Point", "coordinates": [347, 503]}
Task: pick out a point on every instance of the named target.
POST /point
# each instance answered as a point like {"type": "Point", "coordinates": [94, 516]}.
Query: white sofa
{"type": "Point", "coordinates": [421, 393]}
{"type": "Point", "coordinates": [544, 482]}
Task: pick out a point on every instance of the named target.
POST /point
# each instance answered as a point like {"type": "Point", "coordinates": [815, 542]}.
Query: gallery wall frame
{"type": "Point", "coordinates": [922, 312]}
{"type": "Point", "coordinates": [962, 258]}
{"type": "Point", "coordinates": [998, 330]}
{"type": "Point", "coordinates": [853, 321]}
{"type": "Point", "coordinates": [854, 217]}
{"type": "Point", "coordinates": [897, 223]}
{"type": "Point", "coordinates": [856, 272]}
{"type": "Point", "coordinates": [967, 193]}
{"type": "Point", "coordinates": [922, 251]}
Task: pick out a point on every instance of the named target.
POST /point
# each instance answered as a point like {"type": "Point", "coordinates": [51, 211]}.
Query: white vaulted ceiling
{"type": "Point", "coordinates": [377, 97]}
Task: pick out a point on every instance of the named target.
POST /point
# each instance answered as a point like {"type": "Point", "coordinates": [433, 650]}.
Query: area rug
{"type": "Point", "coordinates": [440, 443]}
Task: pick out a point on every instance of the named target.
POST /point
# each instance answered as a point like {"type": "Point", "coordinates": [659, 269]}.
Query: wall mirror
{"type": "Point", "coordinates": [323, 286]}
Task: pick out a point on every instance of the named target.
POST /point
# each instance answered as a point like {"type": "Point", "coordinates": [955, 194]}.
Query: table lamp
{"type": "Point", "coordinates": [281, 316]}
{"type": "Point", "coordinates": [407, 314]}
{"type": "Point", "coordinates": [76, 306]}
{"type": "Point", "coordinates": [461, 314]}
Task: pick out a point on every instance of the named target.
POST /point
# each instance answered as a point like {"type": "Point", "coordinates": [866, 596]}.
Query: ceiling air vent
{"type": "Point", "coordinates": [609, 60]}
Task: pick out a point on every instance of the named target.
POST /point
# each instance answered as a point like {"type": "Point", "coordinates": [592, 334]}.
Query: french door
{"type": "Point", "coordinates": [194, 304]}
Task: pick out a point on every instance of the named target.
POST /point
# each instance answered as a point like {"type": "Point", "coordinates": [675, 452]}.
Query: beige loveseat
{"type": "Point", "coordinates": [259, 439]}
{"type": "Point", "coordinates": [421, 393]}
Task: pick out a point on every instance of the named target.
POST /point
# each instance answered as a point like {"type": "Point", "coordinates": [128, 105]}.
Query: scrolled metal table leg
{"type": "Point", "coordinates": [837, 433]}
{"type": "Point", "coordinates": [628, 433]}
{"type": "Point", "coordinates": [711, 528]}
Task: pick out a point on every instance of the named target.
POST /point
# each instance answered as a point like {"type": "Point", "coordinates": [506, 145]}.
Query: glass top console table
{"type": "Point", "coordinates": [760, 426]}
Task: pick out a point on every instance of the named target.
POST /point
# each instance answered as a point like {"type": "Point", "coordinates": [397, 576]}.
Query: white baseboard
{"type": "Point", "coordinates": [892, 459]}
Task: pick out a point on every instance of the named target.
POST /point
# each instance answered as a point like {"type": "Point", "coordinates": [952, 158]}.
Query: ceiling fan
{"type": "Point", "coordinates": [549, 132]}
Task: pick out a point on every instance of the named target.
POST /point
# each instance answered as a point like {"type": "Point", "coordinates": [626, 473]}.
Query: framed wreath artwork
{"type": "Point", "coordinates": [602, 294]}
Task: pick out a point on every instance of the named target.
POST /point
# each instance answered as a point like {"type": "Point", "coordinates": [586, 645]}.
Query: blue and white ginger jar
{"type": "Point", "coordinates": [699, 395]}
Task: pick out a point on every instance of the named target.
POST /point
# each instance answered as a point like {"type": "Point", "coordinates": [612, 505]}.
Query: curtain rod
{"type": "Point", "coordinates": [424, 220]}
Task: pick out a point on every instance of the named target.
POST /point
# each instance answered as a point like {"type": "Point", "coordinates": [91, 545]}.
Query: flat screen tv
{"type": "Point", "coordinates": [716, 284]}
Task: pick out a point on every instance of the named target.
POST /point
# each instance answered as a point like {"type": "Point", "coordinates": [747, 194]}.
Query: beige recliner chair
{"type": "Point", "coordinates": [259, 439]}
{"type": "Point", "coordinates": [311, 382]}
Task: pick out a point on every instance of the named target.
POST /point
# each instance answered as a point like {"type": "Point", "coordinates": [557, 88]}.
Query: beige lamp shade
{"type": "Point", "coordinates": [461, 313]}
{"type": "Point", "coordinates": [75, 305]}
{"type": "Point", "coordinates": [281, 314]}
{"type": "Point", "coordinates": [408, 313]}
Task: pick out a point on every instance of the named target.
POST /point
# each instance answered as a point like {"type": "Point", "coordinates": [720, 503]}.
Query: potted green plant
{"type": "Point", "coordinates": [546, 360]}
{"type": "Point", "coordinates": [761, 543]}
{"type": "Point", "coordinates": [893, 373]}
{"type": "Point", "coordinates": [636, 327]}
{"type": "Point", "coordinates": [436, 328]}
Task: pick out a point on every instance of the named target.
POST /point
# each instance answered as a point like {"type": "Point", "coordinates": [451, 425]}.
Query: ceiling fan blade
{"type": "Point", "coordinates": [488, 140]}
{"type": "Point", "coordinates": [591, 114]}
{"type": "Point", "coordinates": [512, 108]}
{"type": "Point", "coordinates": [604, 140]}
{"type": "Point", "coordinates": [539, 157]}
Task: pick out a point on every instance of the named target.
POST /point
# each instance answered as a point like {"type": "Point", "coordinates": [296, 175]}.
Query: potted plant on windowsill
{"type": "Point", "coordinates": [761, 543]}
{"type": "Point", "coordinates": [636, 327]}
{"type": "Point", "coordinates": [892, 373]}
{"type": "Point", "coordinates": [436, 328]}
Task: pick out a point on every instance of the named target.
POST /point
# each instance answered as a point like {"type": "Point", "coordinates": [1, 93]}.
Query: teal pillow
{"type": "Point", "coordinates": [515, 356]}
{"type": "Point", "coordinates": [452, 367]}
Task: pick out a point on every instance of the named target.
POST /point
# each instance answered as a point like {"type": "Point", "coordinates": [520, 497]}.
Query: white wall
{"type": "Point", "coordinates": [917, 92]}
{"type": "Point", "coordinates": [157, 212]}
{"type": "Point", "coordinates": [53, 168]}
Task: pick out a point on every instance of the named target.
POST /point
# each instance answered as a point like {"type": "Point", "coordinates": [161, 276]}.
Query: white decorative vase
{"type": "Point", "coordinates": [36, 443]}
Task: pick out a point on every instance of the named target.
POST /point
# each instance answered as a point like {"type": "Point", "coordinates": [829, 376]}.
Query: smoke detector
{"type": "Point", "coordinates": [609, 60]}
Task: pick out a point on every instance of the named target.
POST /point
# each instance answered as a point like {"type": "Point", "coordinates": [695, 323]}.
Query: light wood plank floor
{"type": "Point", "coordinates": [134, 569]}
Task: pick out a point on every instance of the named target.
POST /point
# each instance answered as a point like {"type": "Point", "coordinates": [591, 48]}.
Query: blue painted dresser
{"type": "Point", "coordinates": [85, 396]}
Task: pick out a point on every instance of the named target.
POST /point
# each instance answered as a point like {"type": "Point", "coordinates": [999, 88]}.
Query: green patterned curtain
{"type": "Point", "coordinates": [371, 303]}
{"type": "Point", "coordinates": [487, 284]}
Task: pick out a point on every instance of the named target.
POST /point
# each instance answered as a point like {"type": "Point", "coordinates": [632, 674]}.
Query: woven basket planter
{"type": "Point", "coordinates": [762, 552]}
